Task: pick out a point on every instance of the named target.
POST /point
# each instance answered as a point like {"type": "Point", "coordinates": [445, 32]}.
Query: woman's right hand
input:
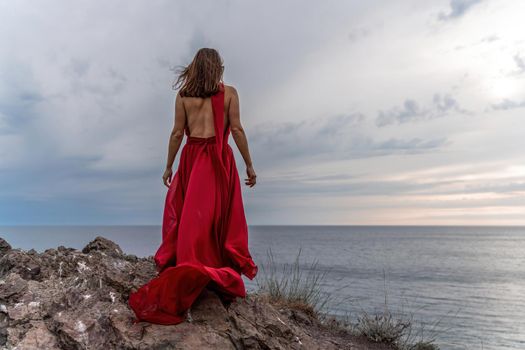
{"type": "Point", "coordinates": [250, 181]}
{"type": "Point", "coordinates": [166, 177]}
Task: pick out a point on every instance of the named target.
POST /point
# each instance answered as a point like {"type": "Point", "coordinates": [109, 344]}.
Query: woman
{"type": "Point", "coordinates": [204, 230]}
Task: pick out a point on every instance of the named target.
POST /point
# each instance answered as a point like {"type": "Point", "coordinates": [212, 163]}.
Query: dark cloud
{"type": "Point", "coordinates": [507, 104]}
{"type": "Point", "coordinates": [336, 124]}
{"type": "Point", "coordinates": [412, 145]}
{"type": "Point", "coordinates": [19, 99]}
{"type": "Point", "coordinates": [338, 185]}
{"type": "Point", "coordinates": [332, 138]}
{"type": "Point", "coordinates": [78, 67]}
{"type": "Point", "coordinates": [489, 39]}
{"type": "Point", "coordinates": [408, 112]}
{"type": "Point", "coordinates": [457, 9]}
{"type": "Point", "coordinates": [17, 110]}
{"type": "Point", "coordinates": [520, 62]}
{"type": "Point", "coordinates": [412, 111]}
{"type": "Point", "coordinates": [58, 189]}
{"type": "Point", "coordinates": [358, 33]}
{"type": "Point", "coordinates": [483, 41]}
{"type": "Point", "coordinates": [107, 84]}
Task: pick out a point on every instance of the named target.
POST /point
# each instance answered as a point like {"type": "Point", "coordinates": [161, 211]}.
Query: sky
{"type": "Point", "coordinates": [356, 112]}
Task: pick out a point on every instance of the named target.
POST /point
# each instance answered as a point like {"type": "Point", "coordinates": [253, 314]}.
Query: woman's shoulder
{"type": "Point", "coordinates": [230, 89]}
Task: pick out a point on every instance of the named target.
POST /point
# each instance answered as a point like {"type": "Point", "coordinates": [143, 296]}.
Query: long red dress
{"type": "Point", "coordinates": [204, 230]}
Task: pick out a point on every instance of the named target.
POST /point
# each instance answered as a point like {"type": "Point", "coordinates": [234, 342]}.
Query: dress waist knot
{"type": "Point", "coordinates": [201, 140]}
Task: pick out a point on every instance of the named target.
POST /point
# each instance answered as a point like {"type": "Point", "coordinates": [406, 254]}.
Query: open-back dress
{"type": "Point", "coordinates": [204, 230]}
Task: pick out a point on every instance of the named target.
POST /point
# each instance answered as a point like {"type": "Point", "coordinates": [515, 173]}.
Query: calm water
{"type": "Point", "coordinates": [471, 280]}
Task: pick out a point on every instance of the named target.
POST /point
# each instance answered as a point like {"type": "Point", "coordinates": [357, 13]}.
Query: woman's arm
{"type": "Point", "coordinates": [239, 136]}
{"type": "Point", "coordinates": [176, 136]}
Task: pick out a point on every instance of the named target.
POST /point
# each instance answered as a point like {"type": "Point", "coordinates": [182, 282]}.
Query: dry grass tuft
{"type": "Point", "coordinates": [294, 286]}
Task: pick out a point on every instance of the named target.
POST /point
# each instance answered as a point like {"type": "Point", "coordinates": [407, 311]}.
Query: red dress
{"type": "Point", "coordinates": [204, 230]}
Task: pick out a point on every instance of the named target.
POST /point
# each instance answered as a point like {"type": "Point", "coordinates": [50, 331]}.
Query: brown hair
{"type": "Point", "coordinates": [202, 77]}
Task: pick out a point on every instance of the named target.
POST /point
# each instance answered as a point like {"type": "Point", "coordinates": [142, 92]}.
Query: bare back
{"type": "Point", "coordinates": [194, 117]}
{"type": "Point", "coordinates": [199, 114]}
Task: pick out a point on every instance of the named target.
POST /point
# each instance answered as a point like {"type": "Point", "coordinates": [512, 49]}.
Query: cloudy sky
{"type": "Point", "coordinates": [357, 112]}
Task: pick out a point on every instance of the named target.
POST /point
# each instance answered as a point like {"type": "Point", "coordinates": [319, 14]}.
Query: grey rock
{"type": "Point", "coordinates": [4, 246]}
{"type": "Point", "coordinates": [69, 299]}
{"type": "Point", "coordinates": [104, 245]}
{"type": "Point", "coordinates": [13, 285]}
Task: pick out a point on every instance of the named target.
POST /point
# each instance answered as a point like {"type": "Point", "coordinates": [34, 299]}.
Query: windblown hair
{"type": "Point", "coordinates": [202, 77]}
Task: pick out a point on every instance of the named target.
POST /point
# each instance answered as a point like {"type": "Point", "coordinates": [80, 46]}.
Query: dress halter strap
{"type": "Point", "coordinates": [220, 165]}
{"type": "Point", "coordinates": [217, 101]}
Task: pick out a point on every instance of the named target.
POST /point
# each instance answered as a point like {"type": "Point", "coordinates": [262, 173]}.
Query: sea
{"type": "Point", "coordinates": [464, 286]}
